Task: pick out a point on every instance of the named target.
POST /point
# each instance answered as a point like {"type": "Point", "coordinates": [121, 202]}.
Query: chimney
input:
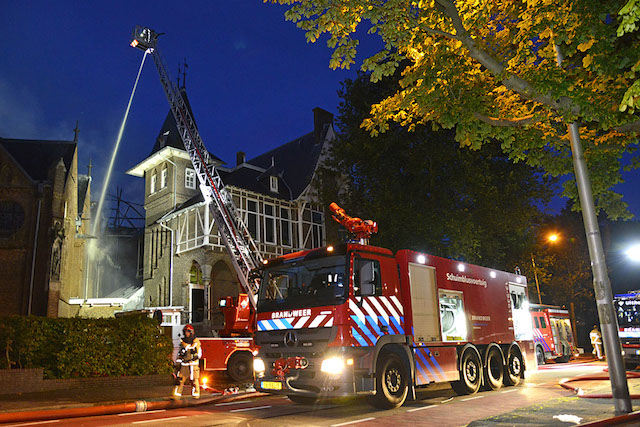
{"type": "Point", "coordinates": [320, 118]}
{"type": "Point", "coordinates": [241, 157]}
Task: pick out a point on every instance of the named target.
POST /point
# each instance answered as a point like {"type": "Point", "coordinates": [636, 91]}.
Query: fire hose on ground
{"type": "Point", "coordinates": [619, 419]}
{"type": "Point", "coordinates": [118, 408]}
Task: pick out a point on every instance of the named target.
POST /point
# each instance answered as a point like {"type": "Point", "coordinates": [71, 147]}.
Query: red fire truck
{"type": "Point", "coordinates": [552, 333]}
{"type": "Point", "coordinates": [358, 319]}
{"type": "Point", "coordinates": [628, 314]}
{"type": "Point", "coordinates": [233, 351]}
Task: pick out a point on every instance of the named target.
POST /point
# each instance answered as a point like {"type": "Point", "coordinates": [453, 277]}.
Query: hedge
{"type": "Point", "coordinates": [77, 347]}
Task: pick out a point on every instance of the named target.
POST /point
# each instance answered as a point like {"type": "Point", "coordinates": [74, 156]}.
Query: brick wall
{"type": "Point", "coordinates": [14, 381]}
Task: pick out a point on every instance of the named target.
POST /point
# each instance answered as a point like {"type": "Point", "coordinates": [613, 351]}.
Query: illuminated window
{"type": "Point", "coordinates": [195, 274]}
{"type": "Point", "coordinates": [273, 184]}
{"type": "Point", "coordinates": [252, 218]}
{"type": "Point", "coordinates": [190, 178]}
{"type": "Point", "coordinates": [269, 224]}
{"type": "Point", "coordinates": [163, 178]}
{"type": "Point", "coordinates": [154, 179]}
{"type": "Point", "coordinates": [285, 227]}
{"type": "Point", "coordinates": [316, 219]}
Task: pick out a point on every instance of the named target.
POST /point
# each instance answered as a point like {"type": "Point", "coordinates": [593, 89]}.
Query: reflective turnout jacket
{"type": "Point", "coordinates": [192, 353]}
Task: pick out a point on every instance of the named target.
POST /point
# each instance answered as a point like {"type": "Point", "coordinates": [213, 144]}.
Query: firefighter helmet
{"type": "Point", "coordinates": [188, 328]}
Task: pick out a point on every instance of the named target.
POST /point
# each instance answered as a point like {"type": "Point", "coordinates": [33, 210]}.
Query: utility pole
{"type": "Point", "coordinates": [601, 283]}
{"type": "Point", "coordinates": [535, 275]}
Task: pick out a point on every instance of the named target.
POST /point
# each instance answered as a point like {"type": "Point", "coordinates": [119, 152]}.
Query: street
{"type": "Point", "coordinates": [436, 405]}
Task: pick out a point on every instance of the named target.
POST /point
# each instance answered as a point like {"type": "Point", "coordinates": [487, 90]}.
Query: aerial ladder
{"type": "Point", "coordinates": [243, 251]}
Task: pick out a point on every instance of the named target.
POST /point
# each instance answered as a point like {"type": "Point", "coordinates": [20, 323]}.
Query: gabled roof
{"type": "Point", "coordinates": [36, 157]}
{"type": "Point", "coordinates": [169, 136]}
{"type": "Point", "coordinates": [294, 162]}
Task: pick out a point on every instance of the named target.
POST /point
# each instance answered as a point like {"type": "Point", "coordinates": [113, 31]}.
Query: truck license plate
{"type": "Point", "coordinates": [271, 385]}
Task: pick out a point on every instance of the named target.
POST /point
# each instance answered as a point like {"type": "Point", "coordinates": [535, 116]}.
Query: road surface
{"type": "Point", "coordinates": [436, 405]}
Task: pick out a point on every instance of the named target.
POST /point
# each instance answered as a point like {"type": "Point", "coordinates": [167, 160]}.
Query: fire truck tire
{"type": "Point", "coordinates": [514, 370]}
{"type": "Point", "coordinates": [470, 374]}
{"type": "Point", "coordinates": [494, 369]}
{"type": "Point", "coordinates": [540, 355]}
{"type": "Point", "coordinates": [392, 382]}
{"type": "Point", "coordinates": [302, 400]}
{"type": "Point", "coordinates": [240, 366]}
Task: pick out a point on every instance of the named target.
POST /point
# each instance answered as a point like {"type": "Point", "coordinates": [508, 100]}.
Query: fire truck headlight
{"type": "Point", "coordinates": [258, 365]}
{"type": "Point", "coordinates": [622, 352]}
{"type": "Point", "coordinates": [332, 366]}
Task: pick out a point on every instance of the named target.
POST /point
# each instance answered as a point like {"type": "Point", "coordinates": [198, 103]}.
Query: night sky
{"type": "Point", "coordinates": [252, 79]}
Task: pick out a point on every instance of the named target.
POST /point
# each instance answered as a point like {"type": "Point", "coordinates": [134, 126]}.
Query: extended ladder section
{"type": "Point", "coordinates": [235, 235]}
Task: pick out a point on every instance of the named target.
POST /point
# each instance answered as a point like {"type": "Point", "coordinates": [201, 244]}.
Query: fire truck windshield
{"type": "Point", "coordinates": [302, 284]}
{"type": "Point", "coordinates": [628, 311]}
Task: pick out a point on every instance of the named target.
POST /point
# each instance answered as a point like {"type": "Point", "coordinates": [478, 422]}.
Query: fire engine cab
{"type": "Point", "coordinates": [358, 319]}
{"type": "Point", "coordinates": [552, 333]}
{"type": "Point", "coordinates": [628, 313]}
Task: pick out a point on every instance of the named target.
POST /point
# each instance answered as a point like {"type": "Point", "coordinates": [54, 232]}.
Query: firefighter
{"type": "Point", "coordinates": [188, 361]}
{"type": "Point", "coordinates": [596, 342]}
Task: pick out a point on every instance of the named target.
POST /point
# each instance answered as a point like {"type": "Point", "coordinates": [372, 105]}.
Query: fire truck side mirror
{"type": "Point", "coordinates": [367, 279]}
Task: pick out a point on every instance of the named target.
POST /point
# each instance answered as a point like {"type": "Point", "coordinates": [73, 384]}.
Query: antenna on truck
{"type": "Point", "coordinates": [361, 229]}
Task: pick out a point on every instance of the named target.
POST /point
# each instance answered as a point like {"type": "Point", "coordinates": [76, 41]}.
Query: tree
{"type": "Point", "coordinates": [489, 69]}
{"type": "Point", "coordinates": [427, 194]}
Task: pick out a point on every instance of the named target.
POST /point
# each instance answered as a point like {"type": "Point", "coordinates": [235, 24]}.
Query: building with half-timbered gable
{"type": "Point", "coordinates": [186, 267]}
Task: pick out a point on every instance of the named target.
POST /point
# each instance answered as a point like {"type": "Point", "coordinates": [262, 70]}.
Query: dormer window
{"type": "Point", "coordinates": [163, 177]}
{"type": "Point", "coordinates": [273, 183]}
{"type": "Point", "coordinates": [154, 180]}
{"type": "Point", "coordinates": [190, 178]}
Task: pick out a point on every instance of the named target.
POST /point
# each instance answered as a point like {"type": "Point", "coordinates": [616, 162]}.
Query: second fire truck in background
{"type": "Point", "coordinates": [552, 333]}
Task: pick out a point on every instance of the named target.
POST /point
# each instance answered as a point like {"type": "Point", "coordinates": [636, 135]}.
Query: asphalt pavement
{"type": "Point", "coordinates": [577, 408]}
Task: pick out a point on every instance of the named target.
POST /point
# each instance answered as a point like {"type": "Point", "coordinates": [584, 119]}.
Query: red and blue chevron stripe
{"type": "Point", "coordinates": [371, 315]}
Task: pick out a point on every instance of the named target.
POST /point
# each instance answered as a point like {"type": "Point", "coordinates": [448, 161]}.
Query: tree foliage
{"type": "Point", "coordinates": [489, 69]}
{"type": "Point", "coordinates": [426, 193]}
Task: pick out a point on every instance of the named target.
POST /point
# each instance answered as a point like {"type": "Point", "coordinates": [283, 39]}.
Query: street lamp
{"type": "Point", "coordinates": [633, 253]}
{"type": "Point", "coordinates": [553, 238]}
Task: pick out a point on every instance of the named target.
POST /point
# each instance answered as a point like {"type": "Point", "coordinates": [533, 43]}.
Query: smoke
{"type": "Point", "coordinates": [113, 264]}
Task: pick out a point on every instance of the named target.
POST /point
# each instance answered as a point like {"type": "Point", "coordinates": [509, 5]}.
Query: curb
{"type": "Point", "coordinates": [137, 406]}
{"type": "Point", "coordinates": [619, 419]}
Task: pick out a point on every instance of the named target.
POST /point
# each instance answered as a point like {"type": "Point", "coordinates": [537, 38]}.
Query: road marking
{"type": "Point", "coordinates": [420, 409]}
{"type": "Point", "coordinates": [233, 403]}
{"type": "Point", "coordinates": [35, 423]}
{"type": "Point", "coordinates": [509, 391]}
{"type": "Point", "coordinates": [447, 400]}
{"type": "Point", "coordinates": [158, 419]}
{"type": "Point", "coordinates": [251, 409]}
{"type": "Point", "coordinates": [471, 398]}
{"type": "Point", "coordinates": [144, 412]}
{"type": "Point", "coordinates": [353, 422]}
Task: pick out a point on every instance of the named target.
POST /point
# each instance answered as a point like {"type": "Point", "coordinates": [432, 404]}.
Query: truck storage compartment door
{"type": "Point", "coordinates": [522, 326]}
{"type": "Point", "coordinates": [424, 300]}
{"type": "Point", "coordinates": [452, 316]}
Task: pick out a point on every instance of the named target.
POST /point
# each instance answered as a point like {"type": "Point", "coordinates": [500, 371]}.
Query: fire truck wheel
{"type": "Point", "coordinates": [470, 374]}
{"type": "Point", "coordinates": [240, 366]}
{"type": "Point", "coordinates": [540, 355]}
{"type": "Point", "coordinates": [392, 382]}
{"type": "Point", "coordinates": [302, 400]}
{"type": "Point", "coordinates": [494, 371]}
{"type": "Point", "coordinates": [515, 366]}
